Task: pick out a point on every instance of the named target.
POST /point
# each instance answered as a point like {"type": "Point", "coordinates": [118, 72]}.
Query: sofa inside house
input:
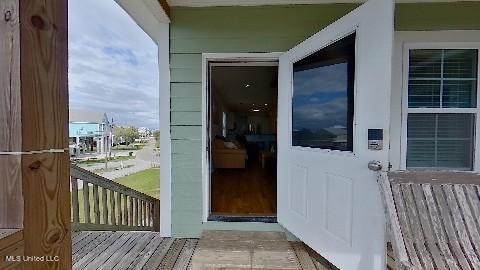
{"type": "Point", "coordinates": [228, 155]}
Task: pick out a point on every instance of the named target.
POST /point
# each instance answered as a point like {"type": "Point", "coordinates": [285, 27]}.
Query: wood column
{"type": "Point", "coordinates": [11, 201]}
{"type": "Point", "coordinates": [44, 114]}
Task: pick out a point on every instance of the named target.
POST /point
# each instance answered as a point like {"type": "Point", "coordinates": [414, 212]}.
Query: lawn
{"type": "Point", "coordinates": [146, 181]}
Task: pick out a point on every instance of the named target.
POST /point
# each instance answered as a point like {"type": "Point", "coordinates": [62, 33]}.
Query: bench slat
{"type": "Point", "coordinates": [435, 223]}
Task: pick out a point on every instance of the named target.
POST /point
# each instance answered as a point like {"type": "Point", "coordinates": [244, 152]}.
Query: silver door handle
{"type": "Point", "coordinates": [375, 165]}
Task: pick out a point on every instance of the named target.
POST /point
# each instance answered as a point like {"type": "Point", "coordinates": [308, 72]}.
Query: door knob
{"type": "Point", "coordinates": [375, 165]}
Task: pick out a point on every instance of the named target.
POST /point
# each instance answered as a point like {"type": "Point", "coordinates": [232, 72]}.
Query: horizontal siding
{"type": "Point", "coordinates": [186, 133]}
{"type": "Point", "coordinates": [189, 204]}
{"type": "Point", "coordinates": [188, 60]}
{"type": "Point", "coordinates": [238, 45]}
{"type": "Point", "coordinates": [253, 29]}
{"type": "Point", "coordinates": [186, 118]}
{"type": "Point", "coordinates": [196, 185]}
{"type": "Point", "coordinates": [188, 175]}
{"type": "Point", "coordinates": [187, 161]}
{"type": "Point", "coordinates": [185, 146]}
{"type": "Point", "coordinates": [179, 90]}
{"type": "Point", "coordinates": [186, 104]}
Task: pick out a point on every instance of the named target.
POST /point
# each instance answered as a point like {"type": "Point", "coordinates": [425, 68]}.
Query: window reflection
{"type": "Point", "coordinates": [322, 102]}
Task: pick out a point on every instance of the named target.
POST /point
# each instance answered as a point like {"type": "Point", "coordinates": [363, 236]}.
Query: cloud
{"type": "Point", "coordinates": [112, 64]}
{"type": "Point", "coordinates": [316, 116]}
{"type": "Point", "coordinates": [325, 79]}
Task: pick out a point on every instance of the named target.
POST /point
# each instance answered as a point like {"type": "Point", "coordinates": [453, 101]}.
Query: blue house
{"type": "Point", "coordinates": [90, 131]}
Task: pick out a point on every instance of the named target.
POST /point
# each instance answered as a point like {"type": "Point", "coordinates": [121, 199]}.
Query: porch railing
{"type": "Point", "coordinates": [101, 204]}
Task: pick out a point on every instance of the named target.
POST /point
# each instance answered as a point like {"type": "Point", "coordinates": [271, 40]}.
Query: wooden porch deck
{"type": "Point", "coordinates": [147, 250]}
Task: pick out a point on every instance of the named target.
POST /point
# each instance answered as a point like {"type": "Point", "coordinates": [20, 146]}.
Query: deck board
{"type": "Point", "coordinates": [147, 250]}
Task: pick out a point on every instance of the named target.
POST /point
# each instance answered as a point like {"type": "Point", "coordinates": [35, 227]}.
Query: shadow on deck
{"type": "Point", "coordinates": [147, 250]}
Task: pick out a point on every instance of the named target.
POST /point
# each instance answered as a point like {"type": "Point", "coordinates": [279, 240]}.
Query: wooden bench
{"type": "Point", "coordinates": [434, 219]}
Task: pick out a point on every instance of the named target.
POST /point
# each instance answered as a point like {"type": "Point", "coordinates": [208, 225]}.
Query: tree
{"type": "Point", "coordinates": [126, 135]}
{"type": "Point", "coordinates": [156, 134]}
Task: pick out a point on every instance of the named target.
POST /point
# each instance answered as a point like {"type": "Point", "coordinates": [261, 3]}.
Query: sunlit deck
{"type": "Point", "coordinates": [147, 250]}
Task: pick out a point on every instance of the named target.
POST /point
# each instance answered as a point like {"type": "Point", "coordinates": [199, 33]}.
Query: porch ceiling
{"type": "Point", "coordinates": [208, 3]}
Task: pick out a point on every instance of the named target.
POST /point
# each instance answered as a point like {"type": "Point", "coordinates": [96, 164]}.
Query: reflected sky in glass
{"type": "Point", "coordinates": [320, 98]}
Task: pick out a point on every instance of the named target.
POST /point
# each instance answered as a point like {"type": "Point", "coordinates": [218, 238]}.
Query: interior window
{"type": "Point", "coordinates": [322, 104]}
{"type": "Point", "coordinates": [440, 80]}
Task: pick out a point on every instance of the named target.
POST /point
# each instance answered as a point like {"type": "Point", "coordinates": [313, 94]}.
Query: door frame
{"type": "Point", "coordinates": [219, 57]}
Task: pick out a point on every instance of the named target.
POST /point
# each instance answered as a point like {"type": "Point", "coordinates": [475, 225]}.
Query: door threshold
{"type": "Point", "coordinates": [221, 217]}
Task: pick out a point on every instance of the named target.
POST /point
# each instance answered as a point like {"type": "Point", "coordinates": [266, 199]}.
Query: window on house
{"type": "Point", "coordinates": [442, 108]}
{"type": "Point", "coordinates": [322, 103]}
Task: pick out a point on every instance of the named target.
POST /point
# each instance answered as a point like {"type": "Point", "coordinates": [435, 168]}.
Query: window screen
{"type": "Point", "coordinates": [442, 79]}
{"type": "Point", "coordinates": [322, 103]}
{"type": "Point", "coordinates": [440, 140]}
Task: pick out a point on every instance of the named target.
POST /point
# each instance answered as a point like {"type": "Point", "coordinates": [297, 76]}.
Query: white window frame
{"type": "Point", "coordinates": [406, 110]}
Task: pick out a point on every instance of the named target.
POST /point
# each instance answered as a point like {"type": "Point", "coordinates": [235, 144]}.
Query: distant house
{"type": "Point", "coordinates": [90, 131]}
{"type": "Point", "coordinates": [144, 132]}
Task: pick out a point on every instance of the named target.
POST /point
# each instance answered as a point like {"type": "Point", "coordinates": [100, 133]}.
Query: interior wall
{"type": "Point", "coordinates": [253, 29]}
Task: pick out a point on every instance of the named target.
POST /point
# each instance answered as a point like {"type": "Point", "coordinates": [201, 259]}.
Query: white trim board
{"type": "Point", "coordinates": [405, 40]}
{"type": "Point", "coordinates": [230, 58]}
{"type": "Point", "coordinates": [148, 14]}
{"type": "Point", "coordinates": [211, 3]}
{"type": "Point", "coordinates": [165, 137]}
{"type": "Point", "coordinates": [151, 17]}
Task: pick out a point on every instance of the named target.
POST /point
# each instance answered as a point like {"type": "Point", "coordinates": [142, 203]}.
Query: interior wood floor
{"type": "Point", "coordinates": [147, 250]}
{"type": "Point", "coordinates": [244, 192]}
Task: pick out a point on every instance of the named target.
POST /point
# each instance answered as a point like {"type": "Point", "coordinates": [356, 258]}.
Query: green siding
{"type": "Point", "coordinates": [186, 132]}
{"type": "Point", "coordinates": [182, 90]}
{"type": "Point", "coordinates": [253, 29]}
{"type": "Point", "coordinates": [438, 16]}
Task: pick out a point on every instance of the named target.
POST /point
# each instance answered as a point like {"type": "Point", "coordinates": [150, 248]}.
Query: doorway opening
{"type": "Point", "coordinates": [242, 140]}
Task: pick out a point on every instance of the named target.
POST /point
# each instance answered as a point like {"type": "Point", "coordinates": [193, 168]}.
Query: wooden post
{"type": "Point", "coordinates": [75, 204]}
{"type": "Point", "coordinates": [44, 114]}
{"type": "Point", "coordinates": [11, 201]}
{"type": "Point", "coordinates": [156, 216]}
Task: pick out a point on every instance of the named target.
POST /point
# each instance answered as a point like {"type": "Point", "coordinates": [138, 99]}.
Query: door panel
{"type": "Point", "coordinates": [329, 198]}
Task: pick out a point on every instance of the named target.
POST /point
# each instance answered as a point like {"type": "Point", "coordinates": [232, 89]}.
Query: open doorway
{"type": "Point", "coordinates": [242, 135]}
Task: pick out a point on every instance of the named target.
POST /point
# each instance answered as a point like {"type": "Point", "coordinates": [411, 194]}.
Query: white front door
{"type": "Point", "coordinates": [334, 92]}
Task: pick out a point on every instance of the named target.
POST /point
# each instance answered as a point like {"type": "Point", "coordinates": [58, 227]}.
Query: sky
{"type": "Point", "coordinates": [112, 64]}
{"type": "Point", "coordinates": [320, 97]}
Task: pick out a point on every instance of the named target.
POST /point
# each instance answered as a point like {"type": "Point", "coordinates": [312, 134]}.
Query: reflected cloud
{"type": "Point", "coordinates": [321, 80]}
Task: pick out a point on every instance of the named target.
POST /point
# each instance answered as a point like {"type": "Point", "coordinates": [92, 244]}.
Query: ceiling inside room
{"type": "Point", "coordinates": [245, 88]}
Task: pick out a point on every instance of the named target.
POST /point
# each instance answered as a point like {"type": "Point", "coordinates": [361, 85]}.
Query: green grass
{"type": "Point", "coordinates": [146, 181]}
